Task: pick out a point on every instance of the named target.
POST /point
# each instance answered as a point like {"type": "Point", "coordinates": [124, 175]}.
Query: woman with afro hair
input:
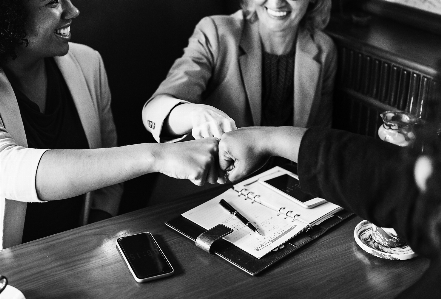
{"type": "Point", "coordinates": [57, 135]}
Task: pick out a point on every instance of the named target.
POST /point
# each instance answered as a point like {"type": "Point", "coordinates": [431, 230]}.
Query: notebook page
{"type": "Point", "coordinates": [276, 201]}
{"type": "Point", "coordinates": [275, 229]}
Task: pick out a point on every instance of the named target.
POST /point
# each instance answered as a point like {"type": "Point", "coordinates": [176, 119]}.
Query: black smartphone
{"type": "Point", "coordinates": [288, 186]}
{"type": "Point", "coordinates": [144, 257]}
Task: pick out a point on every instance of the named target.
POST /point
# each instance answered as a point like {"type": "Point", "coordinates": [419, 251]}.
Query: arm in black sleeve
{"type": "Point", "coordinates": [362, 174]}
{"type": "Point", "coordinates": [375, 180]}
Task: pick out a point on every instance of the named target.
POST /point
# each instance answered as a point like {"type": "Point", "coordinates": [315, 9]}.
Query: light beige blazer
{"type": "Point", "coordinates": [84, 73]}
{"type": "Point", "coordinates": [222, 67]}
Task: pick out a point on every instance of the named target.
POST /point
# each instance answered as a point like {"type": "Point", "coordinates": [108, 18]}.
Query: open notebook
{"type": "Point", "coordinates": [276, 217]}
{"type": "Point", "coordinates": [285, 226]}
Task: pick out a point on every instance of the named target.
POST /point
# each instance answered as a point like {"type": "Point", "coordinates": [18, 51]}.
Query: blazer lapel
{"type": "Point", "coordinates": [251, 68]}
{"type": "Point", "coordinates": [79, 90]}
{"type": "Point", "coordinates": [306, 74]}
{"type": "Point", "coordinates": [13, 212]}
{"type": "Point", "coordinates": [9, 111]}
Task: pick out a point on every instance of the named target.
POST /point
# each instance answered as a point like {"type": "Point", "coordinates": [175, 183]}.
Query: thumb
{"type": "Point", "coordinates": [226, 160]}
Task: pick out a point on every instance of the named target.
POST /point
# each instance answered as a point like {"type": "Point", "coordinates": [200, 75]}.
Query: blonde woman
{"type": "Point", "coordinates": [268, 64]}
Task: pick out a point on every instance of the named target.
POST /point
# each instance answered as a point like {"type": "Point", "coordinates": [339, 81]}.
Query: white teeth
{"type": "Point", "coordinates": [63, 31]}
{"type": "Point", "coordinates": [277, 13]}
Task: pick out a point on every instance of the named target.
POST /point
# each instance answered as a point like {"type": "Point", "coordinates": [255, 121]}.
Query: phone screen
{"type": "Point", "coordinates": [290, 186]}
{"type": "Point", "coordinates": [144, 256]}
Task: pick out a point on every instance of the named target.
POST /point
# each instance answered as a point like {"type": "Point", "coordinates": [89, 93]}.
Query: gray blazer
{"type": "Point", "coordinates": [222, 67]}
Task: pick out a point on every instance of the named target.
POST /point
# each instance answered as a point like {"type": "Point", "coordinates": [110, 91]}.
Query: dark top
{"type": "Point", "coordinates": [59, 127]}
{"type": "Point", "coordinates": [278, 89]}
{"type": "Point", "coordinates": [277, 95]}
{"type": "Point", "coordinates": [375, 180]}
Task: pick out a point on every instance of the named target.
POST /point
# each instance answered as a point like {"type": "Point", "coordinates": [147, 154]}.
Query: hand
{"type": "Point", "coordinates": [208, 121]}
{"type": "Point", "coordinates": [193, 160]}
{"type": "Point", "coordinates": [242, 152]}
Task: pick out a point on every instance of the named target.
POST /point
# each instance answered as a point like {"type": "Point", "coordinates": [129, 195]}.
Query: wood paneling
{"type": "Point", "coordinates": [382, 66]}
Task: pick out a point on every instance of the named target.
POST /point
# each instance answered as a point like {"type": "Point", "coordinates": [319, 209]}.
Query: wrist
{"type": "Point", "coordinates": [152, 157]}
{"type": "Point", "coordinates": [179, 121]}
{"type": "Point", "coordinates": [285, 142]}
{"type": "Point", "coordinates": [270, 141]}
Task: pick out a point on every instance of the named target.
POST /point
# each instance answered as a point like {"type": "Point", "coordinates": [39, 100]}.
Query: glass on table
{"type": "Point", "coordinates": [398, 127]}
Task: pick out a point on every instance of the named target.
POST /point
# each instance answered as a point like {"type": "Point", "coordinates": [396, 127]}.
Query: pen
{"type": "Point", "coordinates": [239, 216]}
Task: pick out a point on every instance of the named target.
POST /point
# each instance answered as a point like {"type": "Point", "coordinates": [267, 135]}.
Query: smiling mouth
{"type": "Point", "coordinates": [63, 32]}
{"type": "Point", "coordinates": [277, 14]}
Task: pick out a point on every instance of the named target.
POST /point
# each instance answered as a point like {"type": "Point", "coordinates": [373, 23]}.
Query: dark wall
{"type": "Point", "coordinates": [139, 40]}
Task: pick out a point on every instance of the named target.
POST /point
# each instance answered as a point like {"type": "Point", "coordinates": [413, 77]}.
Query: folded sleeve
{"type": "Point", "coordinates": [156, 113]}
{"type": "Point", "coordinates": [18, 169]}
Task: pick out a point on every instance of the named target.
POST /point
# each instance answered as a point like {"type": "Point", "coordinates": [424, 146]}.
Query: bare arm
{"type": "Point", "coordinates": [66, 173]}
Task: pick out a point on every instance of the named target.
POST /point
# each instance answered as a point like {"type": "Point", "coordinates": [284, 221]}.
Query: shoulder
{"type": "Point", "coordinates": [230, 25]}
{"type": "Point", "coordinates": [88, 59]}
{"type": "Point", "coordinates": [323, 41]}
{"type": "Point", "coordinates": [82, 52]}
{"type": "Point", "coordinates": [234, 21]}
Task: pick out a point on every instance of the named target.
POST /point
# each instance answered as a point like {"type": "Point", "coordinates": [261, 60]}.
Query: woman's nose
{"type": "Point", "coordinates": [70, 11]}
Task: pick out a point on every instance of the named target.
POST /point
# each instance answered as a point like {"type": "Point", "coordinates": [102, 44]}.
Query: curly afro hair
{"type": "Point", "coordinates": [12, 29]}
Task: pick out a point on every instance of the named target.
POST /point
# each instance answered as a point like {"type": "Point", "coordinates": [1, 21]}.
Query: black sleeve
{"type": "Point", "coordinates": [375, 180]}
{"type": "Point", "coordinates": [364, 175]}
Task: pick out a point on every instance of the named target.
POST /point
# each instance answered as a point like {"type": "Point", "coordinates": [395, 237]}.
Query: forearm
{"type": "Point", "coordinates": [67, 173]}
{"type": "Point", "coordinates": [283, 141]}
{"type": "Point", "coordinates": [202, 121]}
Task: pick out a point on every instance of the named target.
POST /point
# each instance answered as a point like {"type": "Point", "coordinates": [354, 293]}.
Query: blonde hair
{"type": "Point", "coordinates": [316, 17]}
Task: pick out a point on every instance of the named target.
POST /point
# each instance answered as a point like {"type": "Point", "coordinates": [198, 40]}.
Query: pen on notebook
{"type": "Point", "coordinates": [238, 215]}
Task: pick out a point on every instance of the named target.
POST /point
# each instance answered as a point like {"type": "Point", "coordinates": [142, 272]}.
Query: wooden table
{"type": "Point", "coordinates": [84, 263]}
